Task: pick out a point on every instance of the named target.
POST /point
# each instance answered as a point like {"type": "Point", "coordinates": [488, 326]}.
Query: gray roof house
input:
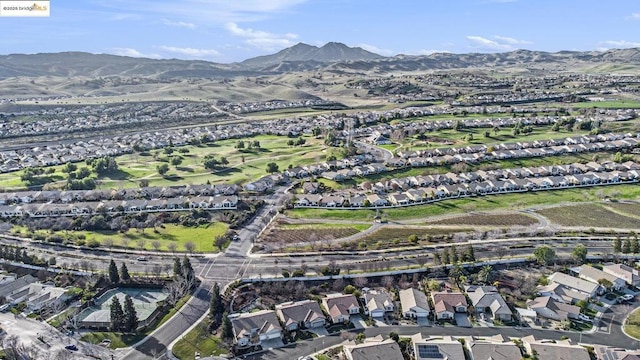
{"type": "Point", "coordinates": [253, 328]}
{"type": "Point", "coordinates": [373, 349]}
{"type": "Point", "coordinates": [582, 286]}
{"type": "Point", "coordinates": [301, 314]}
{"type": "Point", "coordinates": [444, 347]}
{"type": "Point", "coordinates": [414, 303]}
{"type": "Point", "coordinates": [558, 350]}
{"type": "Point", "coordinates": [630, 275]}
{"type": "Point", "coordinates": [487, 299]}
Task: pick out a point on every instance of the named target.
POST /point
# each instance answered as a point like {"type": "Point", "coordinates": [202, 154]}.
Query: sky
{"type": "Point", "coordinates": [226, 31]}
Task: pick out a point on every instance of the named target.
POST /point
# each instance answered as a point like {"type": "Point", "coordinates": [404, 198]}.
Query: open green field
{"type": "Point", "coordinates": [481, 203]}
{"type": "Point", "coordinates": [589, 215]}
{"type": "Point", "coordinates": [620, 104]}
{"type": "Point", "coordinates": [171, 235]}
{"type": "Point", "coordinates": [632, 324]}
{"type": "Point", "coordinates": [244, 165]}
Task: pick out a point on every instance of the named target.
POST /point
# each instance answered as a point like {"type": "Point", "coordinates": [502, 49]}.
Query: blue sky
{"type": "Point", "coordinates": [233, 30]}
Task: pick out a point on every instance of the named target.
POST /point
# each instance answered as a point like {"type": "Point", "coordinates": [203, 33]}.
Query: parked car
{"type": "Point", "coordinates": [71, 347]}
{"type": "Point", "coordinates": [584, 317]}
{"type": "Point", "coordinates": [141, 258]}
{"type": "Point", "coordinates": [628, 297]}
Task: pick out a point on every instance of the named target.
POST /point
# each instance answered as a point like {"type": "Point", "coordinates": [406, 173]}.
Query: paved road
{"type": "Point", "coordinates": [310, 346]}
{"type": "Point", "coordinates": [155, 345]}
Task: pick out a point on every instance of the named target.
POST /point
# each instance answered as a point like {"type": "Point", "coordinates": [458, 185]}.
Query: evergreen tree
{"type": "Point", "coordinates": [227, 330]}
{"type": "Point", "coordinates": [130, 322]}
{"type": "Point", "coordinates": [617, 245]}
{"type": "Point", "coordinates": [445, 257]}
{"type": "Point", "coordinates": [454, 255]}
{"type": "Point", "coordinates": [187, 270]}
{"type": "Point", "coordinates": [635, 246]}
{"type": "Point", "coordinates": [124, 273]}
{"type": "Point", "coordinates": [216, 307]}
{"type": "Point", "coordinates": [626, 247]}
{"type": "Point", "coordinates": [114, 278]}
{"type": "Point", "coordinates": [117, 315]}
{"type": "Point", "coordinates": [469, 254]}
{"type": "Point", "coordinates": [177, 267]}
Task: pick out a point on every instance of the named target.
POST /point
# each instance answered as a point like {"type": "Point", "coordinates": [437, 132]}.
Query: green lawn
{"type": "Point", "coordinates": [480, 203]}
{"type": "Point", "coordinates": [619, 104]}
{"type": "Point", "coordinates": [632, 325]}
{"type": "Point", "coordinates": [201, 236]}
{"type": "Point", "coordinates": [199, 340]}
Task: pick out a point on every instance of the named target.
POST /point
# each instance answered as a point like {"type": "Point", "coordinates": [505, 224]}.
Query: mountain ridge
{"type": "Point", "coordinates": [302, 57]}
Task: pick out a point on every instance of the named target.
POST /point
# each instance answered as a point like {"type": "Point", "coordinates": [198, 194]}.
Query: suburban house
{"type": "Point", "coordinates": [304, 314]}
{"type": "Point", "coordinates": [373, 349]}
{"type": "Point", "coordinates": [487, 299]}
{"type": "Point", "coordinates": [378, 303]}
{"type": "Point", "coordinates": [414, 303]}
{"type": "Point", "coordinates": [548, 308]}
{"type": "Point", "coordinates": [494, 348]}
{"type": "Point", "coordinates": [447, 304]}
{"type": "Point", "coordinates": [554, 350]}
{"type": "Point", "coordinates": [441, 347]}
{"type": "Point", "coordinates": [10, 289]}
{"type": "Point", "coordinates": [594, 275]}
{"type": "Point", "coordinates": [582, 286]}
{"type": "Point", "coordinates": [341, 306]}
{"type": "Point", "coordinates": [561, 293]}
{"type": "Point", "coordinates": [630, 275]}
{"type": "Point", "coordinates": [612, 353]}
{"type": "Point", "coordinates": [251, 329]}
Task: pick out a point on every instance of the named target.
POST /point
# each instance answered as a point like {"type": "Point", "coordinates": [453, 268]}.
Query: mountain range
{"type": "Point", "coordinates": [303, 57]}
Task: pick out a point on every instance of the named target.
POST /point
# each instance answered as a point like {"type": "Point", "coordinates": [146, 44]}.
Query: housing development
{"type": "Point", "coordinates": [321, 203]}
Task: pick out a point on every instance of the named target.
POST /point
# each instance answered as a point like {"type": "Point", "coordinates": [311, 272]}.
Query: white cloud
{"type": "Point", "coordinates": [134, 53]}
{"type": "Point", "coordinates": [377, 50]}
{"type": "Point", "coordinates": [191, 52]}
{"type": "Point", "coordinates": [262, 39]}
{"type": "Point", "coordinates": [206, 11]}
{"type": "Point", "coordinates": [120, 17]}
{"type": "Point", "coordinates": [635, 16]}
{"type": "Point", "coordinates": [184, 24]}
{"type": "Point", "coordinates": [511, 41]}
{"type": "Point", "coordinates": [496, 43]}
{"type": "Point", "coordinates": [606, 45]}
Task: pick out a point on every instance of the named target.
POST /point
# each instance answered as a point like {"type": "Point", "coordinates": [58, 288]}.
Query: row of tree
{"type": "Point", "coordinates": [125, 318]}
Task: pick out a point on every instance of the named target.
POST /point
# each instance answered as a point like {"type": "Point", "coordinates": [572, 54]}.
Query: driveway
{"type": "Point", "coordinates": [462, 320]}
{"type": "Point", "coordinates": [358, 323]}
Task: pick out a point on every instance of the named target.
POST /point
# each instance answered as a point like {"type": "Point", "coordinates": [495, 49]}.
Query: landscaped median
{"type": "Point", "coordinates": [632, 324]}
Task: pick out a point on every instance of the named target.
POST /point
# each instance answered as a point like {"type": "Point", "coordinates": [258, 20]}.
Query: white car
{"type": "Point", "coordinates": [585, 318]}
{"type": "Point", "coordinates": [628, 297]}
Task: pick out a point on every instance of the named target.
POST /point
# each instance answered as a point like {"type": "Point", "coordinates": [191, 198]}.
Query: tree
{"type": "Point", "coordinates": [617, 244]}
{"type": "Point", "coordinates": [445, 257]}
{"type": "Point", "coordinates": [162, 169]}
{"type": "Point", "coordinates": [545, 255]}
{"type": "Point", "coordinates": [469, 255]}
{"type": "Point", "coordinates": [485, 275]}
{"type": "Point", "coordinates": [177, 267]}
{"type": "Point", "coordinates": [626, 246]}
{"type": "Point", "coordinates": [124, 273]}
{"type": "Point", "coordinates": [176, 160]}
{"type": "Point", "coordinates": [104, 165]}
{"type": "Point", "coordinates": [240, 145]}
{"type": "Point", "coordinates": [117, 315]}
{"type": "Point", "coordinates": [189, 246]}
{"type": "Point", "coordinates": [114, 278]}
{"type": "Point", "coordinates": [227, 329]}
{"type": "Point", "coordinates": [454, 254]}
{"type": "Point", "coordinates": [394, 336]}
{"type": "Point", "coordinates": [272, 168]}
{"type": "Point", "coordinates": [216, 306]}
{"type": "Point", "coordinates": [579, 254]}
{"type": "Point", "coordinates": [130, 322]}
{"type": "Point", "coordinates": [187, 271]}
{"type": "Point", "coordinates": [606, 283]}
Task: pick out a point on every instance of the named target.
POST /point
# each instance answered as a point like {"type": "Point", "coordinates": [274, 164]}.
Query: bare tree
{"type": "Point", "coordinates": [338, 285]}
{"type": "Point", "coordinates": [387, 281]}
{"type": "Point", "coordinates": [189, 246]}
{"type": "Point", "coordinates": [108, 242]}
{"type": "Point", "coordinates": [172, 247]}
{"type": "Point", "coordinates": [156, 245]}
{"type": "Point", "coordinates": [360, 282]}
{"type": "Point", "coordinates": [157, 270]}
{"type": "Point", "coordinates": [125, 241]}
{"type": "Point", "coordinates": [141, 244]}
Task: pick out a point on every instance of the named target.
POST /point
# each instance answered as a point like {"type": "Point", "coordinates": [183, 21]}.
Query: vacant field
{"type": "Point", "coordinates": [631, 209]}
{"type": "Point", "coordinates": [589, 215]}
{"type": "Point", "coordinates": [392, 236]}
{"type": "Point", "coordinates": [620, 104]}
{"type": "Point", "coordinates": [309, 235]}
{"type": "Point", "coordinates": [513, 219]}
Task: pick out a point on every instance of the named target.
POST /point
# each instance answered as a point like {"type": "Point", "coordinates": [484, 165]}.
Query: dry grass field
{"type": "Point", "coordinates": [589, 215]}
